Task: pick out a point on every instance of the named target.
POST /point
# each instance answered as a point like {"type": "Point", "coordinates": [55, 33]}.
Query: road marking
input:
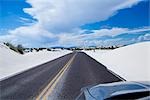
{"type": "Point", "coordinates": [49, 88]}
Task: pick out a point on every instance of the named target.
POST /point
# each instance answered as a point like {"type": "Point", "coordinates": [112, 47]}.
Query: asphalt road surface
{"type": "Point", "coordinates": [60, 79]}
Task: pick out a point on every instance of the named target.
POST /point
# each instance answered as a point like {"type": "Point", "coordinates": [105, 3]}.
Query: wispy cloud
{"type": "Point", "coordinates": [26, 21]}
{"type": "Point", "coordinates": [24, 35]}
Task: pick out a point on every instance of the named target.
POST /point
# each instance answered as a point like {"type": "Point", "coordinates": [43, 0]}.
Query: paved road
{"type": "Point", "coordinates": [29, 83]}
{"type": "Point", "coordinates": [80, 72]}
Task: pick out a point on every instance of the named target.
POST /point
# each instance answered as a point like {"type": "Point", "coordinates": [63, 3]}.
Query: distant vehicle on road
{"type": "Point", "coordinates": [116, 91]}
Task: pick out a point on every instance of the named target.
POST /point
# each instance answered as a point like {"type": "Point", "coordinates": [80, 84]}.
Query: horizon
{"type": "Point", "coordinates": [36, 23]}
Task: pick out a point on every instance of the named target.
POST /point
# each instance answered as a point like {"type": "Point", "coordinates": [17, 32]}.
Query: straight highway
{"type": "Point", "coordinates": [59, 79]}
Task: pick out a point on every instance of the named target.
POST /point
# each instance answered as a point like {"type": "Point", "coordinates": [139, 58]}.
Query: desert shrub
{"type": "Point", "coordinates": [18, 49]}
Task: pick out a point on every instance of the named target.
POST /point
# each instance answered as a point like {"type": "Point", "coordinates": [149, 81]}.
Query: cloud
{"type": "Point", "coordinates": [126, 4]}
{"type": "Point", "coordinates": [80, 39]}
{"type": "Point", "coordinates": [58, 22]}
{"type": "Point", "coordinates": [145, 37]}
{"type": "Point", "coordinates": [39, 37]}
{"type": "Point", "coordinates": [65, 15]}
{"type": "Point", "coordinates": [28, 35]}
{"type": "Point", "coordinates": [26, 21]}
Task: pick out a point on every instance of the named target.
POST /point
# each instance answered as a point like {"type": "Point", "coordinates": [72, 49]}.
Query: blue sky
{"type": "Point", "coordinates": [44, 23]}
{"type": "Point", "coordinates": [134, 17]}
{"type": "Point", "coordinates": [11, 12]}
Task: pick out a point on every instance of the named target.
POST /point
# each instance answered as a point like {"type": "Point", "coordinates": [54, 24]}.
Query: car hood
{"type": "Point", "coordinates": [102, 91]}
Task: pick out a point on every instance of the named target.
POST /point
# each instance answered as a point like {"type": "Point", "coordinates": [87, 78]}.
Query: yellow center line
{"type": "Point", "coordinates": [49, 88]}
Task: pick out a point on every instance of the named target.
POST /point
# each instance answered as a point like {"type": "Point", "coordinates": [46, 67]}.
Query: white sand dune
{"type": "Point", "coordinates": [12, 62]}
{"type": "Point", "coordinates": [131, 62]}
